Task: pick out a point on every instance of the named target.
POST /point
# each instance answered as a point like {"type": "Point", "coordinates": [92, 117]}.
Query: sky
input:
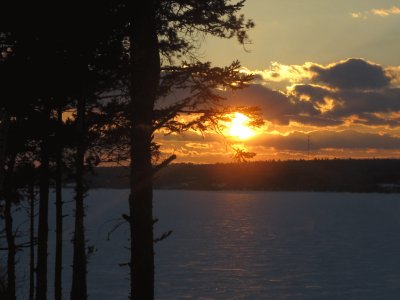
{"type": "Point", "coordinates": [326, 71]}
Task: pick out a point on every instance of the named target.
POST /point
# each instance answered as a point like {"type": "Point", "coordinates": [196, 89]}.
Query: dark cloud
{"type": "Point", "coordinates": [346, 103]}
{"type": "Point", "coordinates": [275, 75]}
{"type": "Point", "coordinates": [317, 121]}
{"type": "Point", "coordinates": [371, 119]}
{"type": "Point", "coordinates": [320, 106]}
{"type": "Point", "coordinates": [350, 139]}
{"type": "Point", "coordinates": [383, 101]}
{"type": "Point", "coordinates": [324, 139]}
{"type": "Point", "coordinates": [316, 95]}
{"type": "Point", "coordinates": [351, 74]}
{"type": "Point", "coordinates": [352, 89]}
{"type": "Point", "coordinates": [258, 78]}
{"type": "Point", "coordinates": [188, 136]}
{"type": "Point", "coordinates": [315, 92]}
{"type": "Point", "coordinates": [277, 107]}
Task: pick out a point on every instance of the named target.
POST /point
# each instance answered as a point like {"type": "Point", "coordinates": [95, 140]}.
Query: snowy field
{"type": "Point", "coordinates": [246, 245]}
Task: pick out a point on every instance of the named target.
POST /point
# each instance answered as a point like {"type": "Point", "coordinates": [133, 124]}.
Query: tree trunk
{"type": "Point", "coordinates": [145, 70]}
{"type": "Point", "coordinates": [4, 123]}
{"type": "Point", "coordinates": [79, 289]}
{"type": "Point", "coordinates": [59, 213]}
{"type": "Point", "coordinates": [32, 240]}
{"type": "Point", "coordinates": [9, 198]}
{"type": "Point", "coordinates": [43, 228]}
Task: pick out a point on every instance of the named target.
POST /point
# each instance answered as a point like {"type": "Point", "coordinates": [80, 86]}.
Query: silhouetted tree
{"type": "Point", "coordinates": [32, 239]}
{"type": "Point", "coordinates": [43, 227]}
{"type": "Point", "coordinates": [160, 32]}
{"type": "Point", "coordinates": [73, 58]}
{"type": "Point", "coordinates": [241, 155]}
{"type": "Point", "coordinates": [59, 206]}
{"type": "Point", "coordinates": [4, 120]}
{"type": "Point", "coordinates": [25, 179]}
{"type": "Point", "coordinates": [79, 288]}
{"type": "Point", "coordinates": [82, 59]}
{"type": "Point", "coordinates": [3, 283]}
{"type": "Point", "coordinates": [15, 180]}
{"type": "Point", "coordinates": [10, 197]}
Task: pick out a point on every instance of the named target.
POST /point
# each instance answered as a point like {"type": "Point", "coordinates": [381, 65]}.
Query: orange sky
{"type": "Point", "coordinates": [325, 70]}
{"type": "Point", "coordinates": [348, 108]}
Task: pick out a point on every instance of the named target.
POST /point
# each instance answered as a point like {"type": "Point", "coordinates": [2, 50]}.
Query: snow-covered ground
{"type": "Point", "coordinates": [246, 245]}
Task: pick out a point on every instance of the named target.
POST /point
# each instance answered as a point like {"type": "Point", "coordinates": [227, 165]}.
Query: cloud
{"type": "Point", "coordinates": [351, 91]}
{"type": "Point", "coordinates": [198, 145]}
{"type": "Point", "coordinates": [323, 143]}
{"type": "Point", "coordinates": [188, 136]}
{"type": "Point", "coordinates": [370, 107]}
{"type": "Point", "coordinates": [317, 106]}
{"type": "Point", "coordinates": [351, 74]}
{"type": "Point", "coordinates": [380, 12]}
{"type": "Point", "coordinates": [386, 12]}
{"type": "Point", "coordinates": [358, 15]}
{"type": "Point", "coordinates": [393, 72]}
{"type": "Point", "coordinates": [277, 106]}
{"type": "Point", "coordinates": [281, 73]}
{"type": "Point", "coordinates": [325, 139]}
{"type": "Point", "coordinates": [320, 100]}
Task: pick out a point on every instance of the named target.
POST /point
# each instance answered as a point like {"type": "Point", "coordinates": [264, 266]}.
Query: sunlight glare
{"type": "Point", "coordinates": [238, 128]}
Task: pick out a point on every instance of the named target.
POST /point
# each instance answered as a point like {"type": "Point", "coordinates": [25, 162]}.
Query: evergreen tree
{"type": "Point", "coordinates": [161, 32]}
{"type": "Point", "coordinates": [59, 60]}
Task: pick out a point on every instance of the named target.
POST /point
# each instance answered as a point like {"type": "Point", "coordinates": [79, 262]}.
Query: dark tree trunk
{"type": "Point", "coordinates": [4, 123]}
{"type": "Point", "coordinates": [32, 240]}
{"type": "Point", "coordinates": [43, 228]}
{"type": "Point", "coordinates": [79, 289]}
{"type": "Point", "coordinates": [9, 198]}
{"type": "Point", "coordinates": [59, 214]}
{"type": "Point", "coordinates": [145, 70]}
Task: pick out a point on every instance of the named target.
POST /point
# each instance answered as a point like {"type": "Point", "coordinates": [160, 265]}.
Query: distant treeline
{"type": "Point", "coordinates": [350, 175]}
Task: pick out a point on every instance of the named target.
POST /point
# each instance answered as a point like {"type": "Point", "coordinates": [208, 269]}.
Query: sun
{"type": "Point", "coordinates": [239, 127]}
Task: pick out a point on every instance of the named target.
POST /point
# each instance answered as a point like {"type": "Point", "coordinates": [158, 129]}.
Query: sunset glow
{"type": "Point", "coordinates": [339, 93]}
{"type": "Point", "coordinates": [239, 127]}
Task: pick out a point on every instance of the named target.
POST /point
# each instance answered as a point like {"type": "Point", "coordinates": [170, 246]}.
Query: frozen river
{"type": "Point", "coordinates": [250, 245]}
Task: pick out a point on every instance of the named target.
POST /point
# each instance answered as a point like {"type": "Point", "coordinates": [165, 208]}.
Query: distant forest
{"type": "Point", "coordinates": [338, 175]}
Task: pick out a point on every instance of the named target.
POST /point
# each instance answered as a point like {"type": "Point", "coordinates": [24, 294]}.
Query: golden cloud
{"type": "Point", "coordinates": [278, 72]}
{"type": "Point", "coordinates": [380, 12]}
{"type": "Point", "coordinates": [386, 12]}
{"type": "Point", "coordinates": [393, 72]}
